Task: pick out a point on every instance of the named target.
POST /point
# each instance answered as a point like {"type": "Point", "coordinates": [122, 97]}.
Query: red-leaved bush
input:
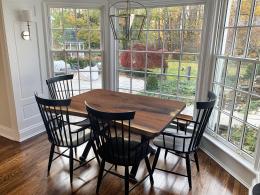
{"type": "Point", "coordinates": [154, 58]}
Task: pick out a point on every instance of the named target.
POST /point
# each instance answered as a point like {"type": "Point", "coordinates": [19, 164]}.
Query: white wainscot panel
{"type": "Point", "coordinates": [29, 63]}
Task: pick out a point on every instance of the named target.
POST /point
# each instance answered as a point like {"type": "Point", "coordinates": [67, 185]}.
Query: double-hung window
{"type": "Point", "coordinates": [164, 62]}
{"type": "Point", "coordinates": [236, 117]}
{"type": "Point", "coordinates": [76, 46]}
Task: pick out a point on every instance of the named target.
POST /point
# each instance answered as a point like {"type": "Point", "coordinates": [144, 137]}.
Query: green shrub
{"type": "Point", "coordinates": [152, 83]}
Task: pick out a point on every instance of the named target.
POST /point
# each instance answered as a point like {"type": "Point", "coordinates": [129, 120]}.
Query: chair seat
{"type": "Point", "coordinates": [113, 152]}
{"type": "Point", "coordinates": [80, 121]}
{"type": "Point", "coordinates": [168, 142]}
{"type": "Point", "coordinates": [77, 138]}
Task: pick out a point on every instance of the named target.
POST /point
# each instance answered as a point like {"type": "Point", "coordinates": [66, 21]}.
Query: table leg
{"type": "Point", "coordinates": [85, 152]}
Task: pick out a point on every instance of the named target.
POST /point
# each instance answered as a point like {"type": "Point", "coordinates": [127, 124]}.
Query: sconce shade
{"type": "Point", "coordinates": [26, 15]}
{"type": "Point", "coordinates": [127, 25]}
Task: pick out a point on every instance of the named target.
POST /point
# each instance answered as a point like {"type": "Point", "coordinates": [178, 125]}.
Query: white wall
{"type": "Point", "coordinates": [27, 64]}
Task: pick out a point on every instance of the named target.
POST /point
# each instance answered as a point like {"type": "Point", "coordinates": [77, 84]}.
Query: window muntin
{"type": "Point", "coordinates": [76, 46]}
{"type": "Point", "coordinates": [164, 62]}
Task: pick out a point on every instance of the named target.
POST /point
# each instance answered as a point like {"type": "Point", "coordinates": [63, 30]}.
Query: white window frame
{"type": "Point", "coordinates": [218, 55]}
{"type": "Point", "coordinates": [76, 5]}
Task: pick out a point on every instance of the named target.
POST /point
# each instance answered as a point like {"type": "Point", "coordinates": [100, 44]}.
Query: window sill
{"type": "Point", "coordinates": [245, 163]}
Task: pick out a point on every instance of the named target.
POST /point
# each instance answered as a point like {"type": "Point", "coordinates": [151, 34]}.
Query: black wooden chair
{"type": "Point", "coordinates": [183, 140]}
{"type": "Point", "coordinates": [60, 88]}
{"type": "Point", "coordinates": [116, 144]}
{"type": "Point", "coordinates": [61, 132]}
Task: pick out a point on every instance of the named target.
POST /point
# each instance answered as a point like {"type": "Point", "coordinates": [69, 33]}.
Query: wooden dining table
{"type": "Point", "coordinates": [152, 114]}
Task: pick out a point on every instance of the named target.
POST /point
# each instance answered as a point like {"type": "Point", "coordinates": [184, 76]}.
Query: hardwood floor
{"type": "Point", "coordinates": [23, 170]}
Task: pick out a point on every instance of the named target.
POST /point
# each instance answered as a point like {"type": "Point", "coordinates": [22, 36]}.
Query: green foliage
{"type": "Point", "coordinates": [82, 62]}
{"type": "Point", "coordinates": [152, 83]}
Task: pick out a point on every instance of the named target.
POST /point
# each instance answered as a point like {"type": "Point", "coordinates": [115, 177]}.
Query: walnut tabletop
{"type": "Point", "coordinates": [151, 117]}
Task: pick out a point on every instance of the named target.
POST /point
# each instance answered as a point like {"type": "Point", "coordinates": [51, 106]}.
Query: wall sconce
{"type": "Point", "coordinates": [26, 16]}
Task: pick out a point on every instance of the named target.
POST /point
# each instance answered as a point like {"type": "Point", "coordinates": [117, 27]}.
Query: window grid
{"type": "Point", "coordinates": [220, 109]}
{"type": "Point", "coordinates": [179, 59]}
{"type": "Point", "coordinates": [80, 49]}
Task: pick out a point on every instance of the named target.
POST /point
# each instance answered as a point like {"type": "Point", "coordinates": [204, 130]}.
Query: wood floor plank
{"type": "Point", "coordinates": [23, 170]}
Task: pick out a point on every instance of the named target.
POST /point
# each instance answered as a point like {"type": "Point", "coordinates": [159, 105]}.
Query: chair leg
{"type": "Point", "coordinates": [85, 152]}
{"type": "Point", "coordinates": [165, 154]}
{"type": "Point", "coordinates": [95, 151]}
{"type": "Point", "coordinates": [149, 170]}
{"type": "Point", "coordinates": [100, 175]}
{"type": "Point", "coordinates": [156, 159]}
{"type": "Point", "coordinates": [188, 169]}
{"type": "Point", "coordinates": [71, 165]}
{"type": "Point", "coordinates": [126, 180]}
{"type": "Point", "coordinates": [51, 157]}
{"type": "Point", "coordinates": [197, 161]}
{"type": "Point", "coordinates": [76, 151]}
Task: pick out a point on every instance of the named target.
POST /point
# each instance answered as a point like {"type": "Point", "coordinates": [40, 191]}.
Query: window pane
{"type": "Point", "coordinates": [236, 132]}
{"type": "Point", "coordinates": [240, 105]}
{"type": "Point", "coordinates": [187, 87]}
{"type": "Point", "coordinates": [124, 61]}
{"type": "Point", "coordinates": [173, 62]}
{"type": "Point", "coordinates": [155, 40]}
{"type": "Point", "coordinates": [94, 18]}
{"type": "Point", "coordinates": [153, 83]}
{"type": "Point", "coordinates": [217, 90]}
{"type": "Point", "coordinates": [230, 79]}
{"type": "Point", "coordinates": [254, 43]}
{"type": "Point", "coordinates": [245, 75]}
{"type": "Point", "coordinates": [95, 39]}
{"type": "Point", "coordinates": [240, 43]}
{"type": "Point", "coordinates": [60, 66]}
{"type": "Point", "coordinates": [223, 125]}
{"type": "Point", "coordinates": [191, 41]}
{"type": "Point", "coordinates": [57, 39]}
{"type": "Point", "coordinates": [220, 70]}
{"type": "Point", "coordinates": [228, 41]}
{"type": "Point", "coordinates": [193, 17]}
{"type": "Point", "coordinates": [250, 139]}
{"type": "Point", "coordinates": [213, 120]}
{"type": "Point", "coordinates": [227, 102]}
{"type": "Point", "coordinates": [173, 17]}
{"type": "Point", "coordinates": [244, 13]}
{"type": "Point", "coordinates": [189, 66]}
{"type": "Point", "coordinates": [172, 41]}
{"type": "Point", "coordinates": [256, 84]}
{"type": "Point", "coordinates": [155, 18]}
{"type": "Point", "coordinates": [138, 81]}
{"type": "Point", "coordinates": [231, 12]}
{"type": "Point", "coordinates": [254, 111]}
{"type": "Point", "coordinates": [256, 20]}
{"type": "Point", "coordinates": [169, 85]}
{"type": "Point", "coordinates": [82, 39]}
{"type": "Point", "coordinates": [69, 18]}
{"type": "Point", "coordinates": [82, 18]}
{"type": "Point", "coordinates": [56, 18]}
{"type": "Point", "coordinates": [124, 80]}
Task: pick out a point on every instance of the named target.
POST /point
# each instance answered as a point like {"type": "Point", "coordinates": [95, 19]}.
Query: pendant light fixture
{"type": "Point", "coordinates": [127, 24]}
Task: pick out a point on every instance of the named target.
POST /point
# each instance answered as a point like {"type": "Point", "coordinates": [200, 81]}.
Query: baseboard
{"type": "Point", "coordinates": [9, 133]}
{"type": "Point", "coordinates": [243, 174]}
{"type": "Point", "coordinates": [31, 131]}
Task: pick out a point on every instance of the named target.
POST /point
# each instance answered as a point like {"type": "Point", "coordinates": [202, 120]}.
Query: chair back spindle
{"type": "Point", "coordinates": [61, 87]}
{"type": "Point", "coordinates": [114, 140]}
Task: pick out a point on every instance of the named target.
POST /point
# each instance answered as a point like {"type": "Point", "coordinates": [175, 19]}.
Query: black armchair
{"type": "Point", "coordinates": [183, 140]}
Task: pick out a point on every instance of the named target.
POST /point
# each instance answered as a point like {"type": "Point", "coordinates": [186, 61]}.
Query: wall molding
{"type": "Point", "coordinates": [31, 131]}
{"type": "Point", "coordinates": [9, 133]}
